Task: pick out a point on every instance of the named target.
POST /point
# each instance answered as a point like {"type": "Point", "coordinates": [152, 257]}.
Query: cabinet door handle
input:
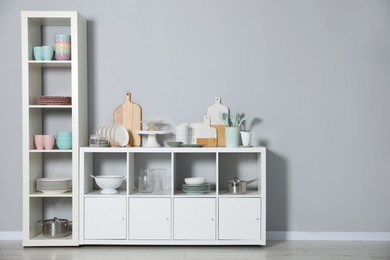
{"type": "Point", "coordinates": [257, 219]}
{"type": "Point", "coordinates": [212, 219]}
{"type": "Point", "coordinates": [167, 219]}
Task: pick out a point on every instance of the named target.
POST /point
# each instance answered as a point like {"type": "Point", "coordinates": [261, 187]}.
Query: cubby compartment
{"type": "Point", "coordinates": [105, 164]}
{"type": "Point", "coordinates": [244, 166]}
{"type": "Point", "coordinates": [188, 165]}
{"type": "Point", "coordinates": [49, 165]}
{"type": "Point", "coordinates": [45, 209]}
{"type": "Point", "coordinates": [147, 161]}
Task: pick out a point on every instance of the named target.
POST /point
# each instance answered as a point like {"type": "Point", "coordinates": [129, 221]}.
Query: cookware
{"type": "Point", "coordinates": [237, 186]}
{"type": "Point", "coordinates": [129, 115]}
{"type": "Point", "coordinates": [54, 228]}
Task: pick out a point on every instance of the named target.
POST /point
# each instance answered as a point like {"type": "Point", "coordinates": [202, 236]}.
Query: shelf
{"type": "Point", "coordinates": [51, 63]}
{"type": "Point", "coordinates": [42, 195]}
{"type": "Point", "coordinates": [50, 151]}
{"type": "Point", "coordinates": [96, 193]}
{"type": "Point", "coordinates": [180, 193]}
{"type": "Point", "coordinates": [249, 193]}
{"type": "Point", "coordinates": [50, 106]}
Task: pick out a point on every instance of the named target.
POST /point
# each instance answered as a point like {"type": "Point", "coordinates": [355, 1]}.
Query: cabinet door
{"type": "Point", "coordinates": [105, 218]}
{"type": "Point", "coordinates": [150, 218]}
{"type": "Point", "coordinates": [239, 218]}
{"type": "Point", "coordinates": [194, 218]}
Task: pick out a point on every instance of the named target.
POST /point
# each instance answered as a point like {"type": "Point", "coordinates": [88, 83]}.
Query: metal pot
{"type": "Point", "coordinates": [54, 228]}
{"type": "Point", "coordinates": [237, 186]}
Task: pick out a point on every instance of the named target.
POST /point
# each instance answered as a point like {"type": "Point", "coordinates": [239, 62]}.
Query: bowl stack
{"type": "Point", "coordinates": [54, 185]}
{"type": "Point", "coordinates": [196, 185]}
{"type": "Point", "coordinates": [62, 47]}
{"type": "Point", "coordinates": [64, 140]}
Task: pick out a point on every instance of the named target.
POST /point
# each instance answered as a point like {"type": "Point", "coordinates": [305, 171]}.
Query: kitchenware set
{"type": "Point", "coordinates": [152, 181]}
{"type": "Point", "coordinates": [116, 135]}
{"type": "Point", "coordinates": [54, 186]}
{"type": "Point", "coordinates": [61, 51]}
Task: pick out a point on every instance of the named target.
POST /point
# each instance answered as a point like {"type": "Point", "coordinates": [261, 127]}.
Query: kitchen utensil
{"type": "Point", "coordinates": [221, 137]}
{"type": "Point", "coordinates": [47, 52]}
{"type": "Point", "coordinates": [246, 138]}
{"type": "Point", "coordinates": [195, 180]}
{"type": "Point", "coordinates": [38, 53]}
{"type": "Point", "coordinates": [145, 181]}
{"type": "Point", "coordinates": [224, 118]}
{"type": "Point", "coordinates": [174, 144]}
{"type": "Point", "coordinates": [48, 142]}
{"type": "Point", "coordinates": [53, 186]}
{"type": "Point", "coordinates": [233, 118]}
{"type": "Point", "coordinates": [196, 188]}
{"type": "Point", "coordinates": [129, 115]}
{"type": "Point", "coordinates": [38, 140]}
{"type": "Point", "coordinates": [237, 186]}
{"type": "Point", "coordinates": [159, 181]}
{"type": "Point", "coordinates": [208, 142]}
{"type": "Point", "coordinates": [203, 130]}
{"type": "Point", "coordinates": [108, 183]}
{"type": "Point", "coordinates": [54, 228]}
{"type": "Point", "coordinates": [232, 136]}
{"type": "Point", "coordinates": [241, 120]}
{"type": "Point", "coordinates": [214, 110]}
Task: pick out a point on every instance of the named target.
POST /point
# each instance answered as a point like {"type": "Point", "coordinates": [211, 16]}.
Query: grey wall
{"type": "Point", "coordinates": [313, 77]}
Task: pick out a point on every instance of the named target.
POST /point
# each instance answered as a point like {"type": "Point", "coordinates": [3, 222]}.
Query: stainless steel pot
{"type": "Point", "coordinates": [237, 186]}
{"type": "Point", "coordinates": [53, 228]}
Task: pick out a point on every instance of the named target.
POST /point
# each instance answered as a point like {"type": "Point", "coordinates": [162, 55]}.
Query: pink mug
{"type": "Point", "coordinates": [38, 142]}
{"type": "Point", "coordinates": [48, 142]}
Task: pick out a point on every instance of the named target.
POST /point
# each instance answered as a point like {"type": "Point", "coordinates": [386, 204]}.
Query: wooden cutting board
{"type": "Point", "coordinates": [129, 115]}
{"type": "Point", "coordinates": [203, 131]}
{"type": "Point", "coordinates": [213, 112]}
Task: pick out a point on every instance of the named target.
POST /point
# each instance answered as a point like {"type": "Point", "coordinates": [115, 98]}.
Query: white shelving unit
{"type": "Point", "coordinates": [174, 218]}
{"type": "Point", "coordinates": [59, 78]}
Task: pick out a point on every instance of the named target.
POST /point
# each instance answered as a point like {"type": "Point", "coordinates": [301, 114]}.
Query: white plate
{"type": "Point", "coordinates": [121, 136]}
{"type": "Point", "coordinates": [54, 179]}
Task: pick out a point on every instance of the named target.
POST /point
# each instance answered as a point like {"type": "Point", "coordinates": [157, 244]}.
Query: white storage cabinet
{"type": "Point", "coordinates": [175, 217]}
{"type": "Point", "coordinates": [52, 78]}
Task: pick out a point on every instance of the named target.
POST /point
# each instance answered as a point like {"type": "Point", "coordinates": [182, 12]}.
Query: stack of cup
{"type": "Point", "coordinates": [64, 140]}
{"type": "Point", "coordinates": [183, 133]}
{"type": "Point", "coordinates": [62, 46]}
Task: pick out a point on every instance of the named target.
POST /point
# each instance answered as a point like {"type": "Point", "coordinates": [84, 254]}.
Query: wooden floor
{"type": "Point", "coordinates": [302, 250]}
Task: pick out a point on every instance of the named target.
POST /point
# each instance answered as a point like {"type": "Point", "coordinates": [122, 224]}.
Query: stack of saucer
{"type": "Point", "coordinates": [196, 188]}
{"type": "Point", "coordinates": [54, 185]}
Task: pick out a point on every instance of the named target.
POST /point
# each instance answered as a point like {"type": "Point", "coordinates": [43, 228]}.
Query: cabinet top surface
{"type": "Point", "coordinates": [89, 149]}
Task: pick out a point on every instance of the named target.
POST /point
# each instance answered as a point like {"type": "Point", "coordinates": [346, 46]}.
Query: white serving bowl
{"type": "Point", "coordinates": [108, 183]}
{"type": "Point", "coordinates": [195, 180]}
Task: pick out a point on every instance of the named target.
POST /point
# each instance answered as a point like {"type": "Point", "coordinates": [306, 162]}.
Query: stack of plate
{"type": "Point", "coordinates": [196, 188]}
{"type": "Point", "coordinates": [55, 100]}
{"type": "Point", "coordinates": [54, 185]}
{"type": "Point", "coordinates": [115, 134]}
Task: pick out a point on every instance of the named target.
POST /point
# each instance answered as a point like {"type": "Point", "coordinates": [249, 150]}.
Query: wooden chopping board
{"type": "Point", "coordinates": [203, 133]}
{"type": "Point", "coordinates": [129, 115]}
{"type": "Point", "coordinates": [213, 112]}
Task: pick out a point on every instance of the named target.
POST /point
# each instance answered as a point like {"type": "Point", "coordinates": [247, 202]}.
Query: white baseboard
{"type": "Point", "coordinates": [279, 235]}
{"type": "Point", "coordinates": [11, 235]}
{"type": "Point", "coordinates": [347, 236]}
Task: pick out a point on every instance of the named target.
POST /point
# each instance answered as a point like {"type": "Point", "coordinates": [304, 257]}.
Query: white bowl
{"type": "Point", "coordinates": [108, 183]}
{"type": "Point", "coordinates": [195, 180]}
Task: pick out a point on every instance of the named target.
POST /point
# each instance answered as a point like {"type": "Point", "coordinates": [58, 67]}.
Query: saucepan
{"type": "Point", "coordinates": [54, 228]}
{"type": "Point", "coordinates": [237, 186]}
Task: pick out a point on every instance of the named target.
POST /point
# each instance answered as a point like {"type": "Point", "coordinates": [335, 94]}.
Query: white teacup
{"type": "Point", "coordinates": [246, 138]}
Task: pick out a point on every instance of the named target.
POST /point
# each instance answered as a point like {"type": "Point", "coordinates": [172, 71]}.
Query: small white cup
{"type": "Point", "coordinates": [246, 138]}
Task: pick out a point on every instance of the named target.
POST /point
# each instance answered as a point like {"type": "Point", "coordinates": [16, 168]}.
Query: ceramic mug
{"type": "Point", "coordinates": [38, 142]}
{"type": "Point", "coordinates": [47, 52]}
{"type": "Point", "coordinates": [38, 53]}
{"type": "Point", "coordinates": [246, 138]}
{"type": "Point", "coordinates": [48, 142]}
{"type": "Point", "coordinates": [232, 136]}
